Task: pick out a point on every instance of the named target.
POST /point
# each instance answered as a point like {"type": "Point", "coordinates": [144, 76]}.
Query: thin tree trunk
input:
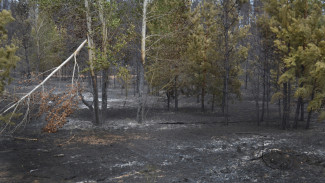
{"type": "Point", "coordinates": [27, 62]}
{"type": "Point", "coordinates": [212, 105]}
{"type": "Point", "coordinates": [223, 96]}
{"type": "Point", "coordinates": [308, 119]}
{"type": "Point", "coordinates": [104, 52]}
{"type": "Point", "coordinates": [38, 55]}
{"type": "Point", "coordinates": [138, 78]}
{"type": "Point", "coordinates": [104, 89]}
{"type": "Point", "coordinates": [126, 88]}
{"type": "Point", "coordinates": [302, 113]}
{"type": "Point", "coordinates": [246, 73]}
{"type": "Point", "coordinates": [227, 78]}
{"type": "Point", "coordinates": [289, 104]}
{"type": "Point", "coordinates": [295, 124]}
{"type": "Point", "coordinates": [257, 98]}
{"type": "Point", "coordinates": [91, 60]}
{"type": "Point", "coordinates": [311, 110]}
{"type": "Point", "coordinates": [279, 107]}
{"type": "Point", "coordinates": [202, 99]}
{"type": "Point", "coordinates": [176, 94]}
{"type": "Point", "coordinates": [134, 86]}
{"type": "Point", "coordinates": [198, 98]}
{"type": "Point", "coordinates": [285, 108]}
{"type": "Point", "coordinates": [264, 92]}
{"type": "Point", "coordinates": [268, 97]}
{"type": "Point", "coordinates": [168, 100]}
{"type": "Point", "coordinates": [140, 113]}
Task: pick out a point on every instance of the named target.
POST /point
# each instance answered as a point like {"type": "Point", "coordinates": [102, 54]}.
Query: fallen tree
{"type": "Point", "coordinates": [26, 98]}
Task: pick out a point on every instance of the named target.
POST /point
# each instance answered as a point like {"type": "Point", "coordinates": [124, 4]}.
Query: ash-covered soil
{"type": "Point", "coordinates": [183, 146]}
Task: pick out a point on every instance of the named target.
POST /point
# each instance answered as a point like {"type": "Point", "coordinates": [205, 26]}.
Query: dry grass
{"type": "Point", "coordinates": [102, 139]}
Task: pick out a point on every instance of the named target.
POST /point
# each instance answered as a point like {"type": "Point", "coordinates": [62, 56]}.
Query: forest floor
{"type": "Point", "coordinates": [183, 146]}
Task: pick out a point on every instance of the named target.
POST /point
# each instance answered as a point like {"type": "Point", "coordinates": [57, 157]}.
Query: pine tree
{"type": "Point", "coordinates": [8, 59]}
{"type": "Point", "coordinates": [297, 25]}
{"type": "Point", "coordinates": [231, 50]}
{"type": "Point", "coordinates": [167, 43]}
{"type": "Point", "coordinates": [203, 68]}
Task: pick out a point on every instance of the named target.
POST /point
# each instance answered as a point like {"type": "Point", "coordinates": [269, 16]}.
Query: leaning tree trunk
{"type": "Point", "coordinates": [91, 60]}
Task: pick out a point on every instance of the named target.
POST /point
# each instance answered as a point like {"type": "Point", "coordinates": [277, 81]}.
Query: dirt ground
{"type": "Point", "coordinates": [183, 146]}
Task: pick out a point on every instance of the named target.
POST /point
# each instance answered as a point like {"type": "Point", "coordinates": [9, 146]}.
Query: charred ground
{"type": "Point", "coordinates": [183, 146]}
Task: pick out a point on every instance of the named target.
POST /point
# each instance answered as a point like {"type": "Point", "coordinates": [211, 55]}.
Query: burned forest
{"type": "Point", "coordinates": [96, 91]}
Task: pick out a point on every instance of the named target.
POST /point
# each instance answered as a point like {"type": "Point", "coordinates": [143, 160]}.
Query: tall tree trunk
{"type": "Point", "coordinates": [295, 124]}
{"type": "Point", "coordinates": [138, 78]}
{"type": "Point", "coordinates": [302, 113]}
{"type": "Point", "coordinates": [104, 89]}
{"type": "Point", "coordinates": [257, 98]}
{"type": "Point", "coordinates": [279, 107]}
{"type": "Point", "coordinates": [223, 105]}
{"type": "Point", "coordinates": [227, 77]}
{"type": "Point", "coordinates": [202, 99]}
{"type": "Point", "coordinates": [140, 113]}
{"type": "Point", "coordinates": [91, 60]}
{"type": "Point", "coordinates": [38, 54]}
{"type": "Point", "coordinates": [289, 104]}
{"type": "Point", "coordinates": [27, 61]}
{"type": "Point", "coordinates": [246, 73]}
{"type": "Point", "coordinates": [268, 96]}
{"type": "Point", "coordinates": [264, 90]}
{"type": "Point", "coordinates": [104, 53]}
{"type": "Point", "coordinates": [198, 97]}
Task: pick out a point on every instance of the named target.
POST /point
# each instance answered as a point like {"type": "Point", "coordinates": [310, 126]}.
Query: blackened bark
{"type": "Point", "coordinates": [198, 98]}
{"type": "Point", "coordinates": [302, 113]}
{"type": "Point", "coordinates": [104, 89]}
{"type": "Point", "coordinates": [168, 100]}
{"type": "Point", "coordinates": [96, 103]}
{"type": "Point", "coordinates": [257, 98]}
{"type": "Point", "coordinates": [295, 124]}
{"type": "Point", "coordinates": [264, 92]}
